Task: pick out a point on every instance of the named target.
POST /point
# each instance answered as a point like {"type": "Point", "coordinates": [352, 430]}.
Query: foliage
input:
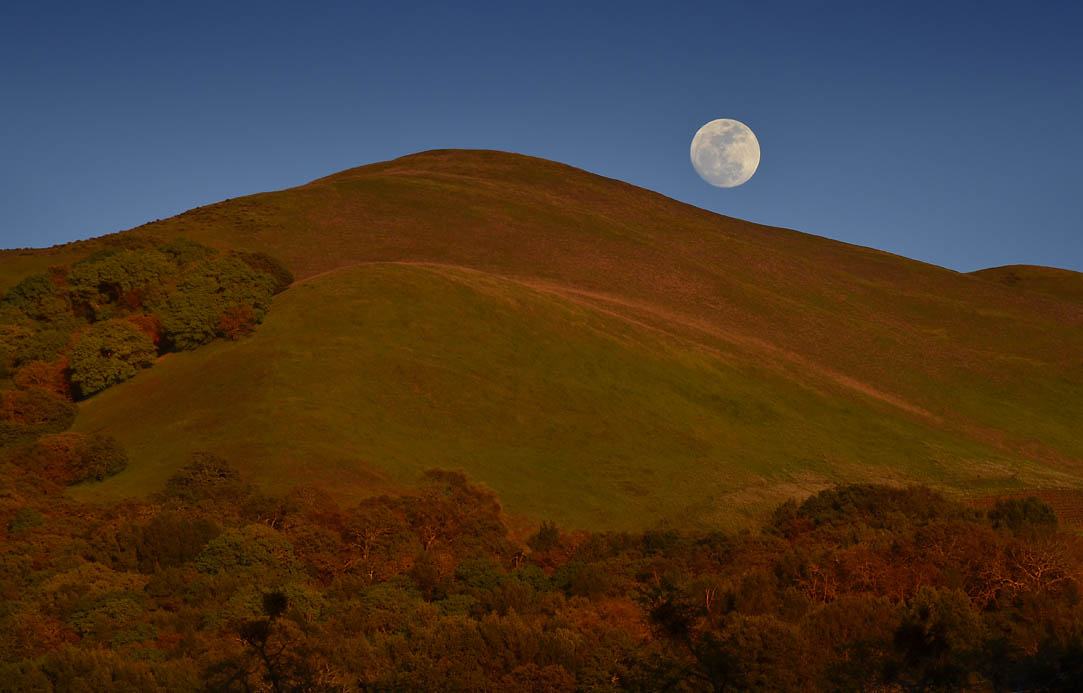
{"type": "Point", "coordinates": [172, 539]}
{"type": "Point", "coordinates": [109, 352]}
{"type": "Point", "coordinates": [939, 640]}
{"type": "Point", "coordinates": [216, 586]}
{"type": "Point", "coordinates": [205, 477]}
{"type": "Point", "coordinates": [43, 345]}
{"type": "Point", "coordinates": [45, 340]}
{"type": "Point", "coordinates": [878, 507]}
{"type": "Point", "coordinates": [249, 548]}
{"type": "Point", "coordinates": [190, 316]}
{"type": "Point", "coordinates": [1018, 514]}
{"type": "Point", "coordinates": [49, 376]}
{"type": "Point", "coordinates": [126, 277]}
{"type": "Point", "coordinates": [184, 251]}
{"type": "Point", "coordinates": [25, 519]}
{"type": "Point", "coordinates": [73, 669]}
{"type": "Point", "coordinates": [98, 457]}
{"type": "Point", "coordinates": [25, 414]}
{"type": "Point", "coordinates": [237, 322]}
{"type": "Point", "coordinates": [70, 458]}
{"type": "Point", "coordinates": [546, 538]}
{"type": "Point", "coordinates": [267, 264]}
{"type": "Point", "coordinates": [148, 324]}
{"type": "Point", "coordinates": [37, 297]}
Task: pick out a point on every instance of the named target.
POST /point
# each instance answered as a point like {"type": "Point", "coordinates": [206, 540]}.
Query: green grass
{"type": "Point", "coordinates": [361, 379]}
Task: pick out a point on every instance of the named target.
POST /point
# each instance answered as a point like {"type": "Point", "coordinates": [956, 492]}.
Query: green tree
{"type": "Point", "coordinates": [37, 297]}
{"type": "Point", "coordinates": [38, 409]}
{"type": "Point", "coordinates": [940, 641]}
{"type": "Point", "coordinates": [206, 476]}
{"type": "Point", "coordinates": [69, 458]}
{"type": "Point", "coordinates": [42, 345]}
{"type": "Point", "coordinates": [98, 456]}
{"type": "Point", "coordinates": [184, 251]}
{"type": "Point", "coordinates": [108, 353]}
{"type": "Point", "coordinates": [546, 538]}
{"type": "Point", "coordinates": [267, 264]}
{"type": "Point", "coordinates": [98, 284]}
{"type": "Point", "coordinates": [1022, 514]}
{"type": "Point", "coordinates": [191, 315]}
{"type": "Point", "coordinates": [25, 414]}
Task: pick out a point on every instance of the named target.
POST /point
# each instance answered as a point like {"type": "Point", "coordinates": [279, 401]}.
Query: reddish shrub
{"type": "Point", "coordinates": [237, 322]}
{"type": "Point", "coordinates": [130, 300]}
{"type": "Point", "coordinates": [58, 275]}
{"type": "Point", "coordinates": [68, 458]}
{"type": "Point", "coordinates": [37, 408]}
{"type": "Point", "coordinates": [49, 376]}
{"type": "Point", "coordinates": [148, 324]}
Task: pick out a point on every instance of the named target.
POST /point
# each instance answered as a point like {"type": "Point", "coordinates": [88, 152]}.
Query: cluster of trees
{"type": "Point", "coordinates": [76, 330]}
{"type": "Point", "coordinates": [214, 585]}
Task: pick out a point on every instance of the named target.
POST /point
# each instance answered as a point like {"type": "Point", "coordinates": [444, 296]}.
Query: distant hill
{"type": "Point", "coordinates": [1060, 283]}
{"type": "Point", "coordinates": [597, 353]}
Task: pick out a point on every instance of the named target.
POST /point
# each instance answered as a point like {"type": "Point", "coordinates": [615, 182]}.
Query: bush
{"type": "Point", "coordinates": [37, 297]}
{"type": "Point", "coordinates": [190, 316]}
{"type": "Point", "coordinates": [184, 251]}
{"type": "Point", "coordinates": [98, 457]}
{"type": "Point", "coordinates": [206, 476]}
{"type": "Point", "coordinates": [96, 256]}
{"type": "Point", "coordinates": [262, 262]}
{"type": "Point", "coordinates": [43, 345]}
{"type": "Point", "coordinates": [24, 520]}
{"type": "Point", "coordinates": [940, 640]}
{"type": "Point", "coordinates": [236, 323]}
{"type": "Point", "coordinates": [546, 538]}
{"type": "Point", "coordinates": [171, 539]}
{"type": "Point", "coordinates": [1023, 513]}
{"type": "Point", "coordinates": [250, 548]}
{"type": "Point", "coordinates": [148, 324]}
{"type": "Point", "coordinates": [51, 377]}
{"type": "Point", "coordinates": [116, 276]}
{"type": "Point", "coordinates": [36, 409]}
{"type": "Point", "coordinates": [108, 353]}
{"type": "Point", "coordinates": [71, 669]}
{"type": "Point", "coordinates": [69, 458]}
{"type": "Point", "coordinates": [876, 506]}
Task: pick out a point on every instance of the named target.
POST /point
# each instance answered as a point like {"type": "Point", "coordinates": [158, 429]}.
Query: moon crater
{"type": "Point", "coordinates": [725, 153]}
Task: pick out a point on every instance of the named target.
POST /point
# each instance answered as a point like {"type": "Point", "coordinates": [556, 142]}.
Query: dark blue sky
{"type": "Point", "coordinates": [953, 136]}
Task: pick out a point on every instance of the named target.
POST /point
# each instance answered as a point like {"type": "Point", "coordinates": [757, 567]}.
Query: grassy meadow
{"type": "Point", "coordinates": [362, 378]}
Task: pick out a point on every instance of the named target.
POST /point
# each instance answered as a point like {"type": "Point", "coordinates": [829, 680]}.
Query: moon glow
{"type": "Point", "coordinates": [725, 153]}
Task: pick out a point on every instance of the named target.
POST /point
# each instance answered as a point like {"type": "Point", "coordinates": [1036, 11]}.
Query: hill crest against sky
{"type": "Point", "coordinates": [974, 382]}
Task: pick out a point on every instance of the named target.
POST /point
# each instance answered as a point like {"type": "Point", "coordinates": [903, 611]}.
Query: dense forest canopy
{"type": "Point", "coordinates": [213, 585]}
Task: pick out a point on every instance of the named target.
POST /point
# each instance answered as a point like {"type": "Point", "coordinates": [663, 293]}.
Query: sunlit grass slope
{"type": "Point", "coordinates": [364, 377]}
{"type": "Point", "coordinates": [885, 367]}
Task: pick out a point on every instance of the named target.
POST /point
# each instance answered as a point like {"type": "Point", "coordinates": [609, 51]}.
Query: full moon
{"type": "Point", "coordinates": [725, 153]}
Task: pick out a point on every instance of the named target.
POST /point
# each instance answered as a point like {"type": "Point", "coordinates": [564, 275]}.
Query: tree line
{"type": "Point", "coordinates": [215, 585]}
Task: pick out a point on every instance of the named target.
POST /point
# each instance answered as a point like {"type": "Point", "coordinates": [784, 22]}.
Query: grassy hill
{"type": "Point", "coordinates": [1063, 284]}
{"type": "Point", "coordinates": [597, 353]}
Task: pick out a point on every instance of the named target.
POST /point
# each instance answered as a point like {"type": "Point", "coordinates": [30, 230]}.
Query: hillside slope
{"type": "Point", "coordinates": [568, 411]}
{"type": "Point", "coordinates": [872, 365]}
